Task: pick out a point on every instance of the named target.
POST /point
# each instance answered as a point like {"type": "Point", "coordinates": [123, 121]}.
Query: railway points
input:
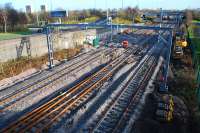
{"type": "Point", "coordinates": [104, 88]}
{"type": "Point", "coordinates": [68, 102]}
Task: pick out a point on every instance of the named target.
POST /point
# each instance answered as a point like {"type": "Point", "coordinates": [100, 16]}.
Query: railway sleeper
{"type": "Point", "coordinates": [117, 114]}
{"type": "Point", "coordinates": [118, 109]}
{"type": "Point", "coordinates": [84, 97]}
{"type": "Point", "coordinates": [112, 119]}
{"type": "Point", "coordinates": [120, 106]}
{"type": "Point", "coordinates": [131, 108]}
{"type": "Point", "coordinates": [108, 127]}
{"type": "Point", "coordinates": [102, 129]}
{"type": "Point", "coordinates": [128, 90]}
{"type": "Point", "coordinates": [126, 94]}
{"type": "Point", "coordinates": [81, 100]}
{"type": "Point", "coordinates": [132, 85]}
{"type": "Point", "coordinates": [123, 100]}
{"type": "Point", "coordinates": [133, 82]}
{"type": "Point", "coordinates": [124, 97]}
{"type": "Point", "coordinates": [108, 120]}
{"type": "Point", "coordinates": [73, 107]}
{"type": "Point", "coordinates": [102, 125]}
{"type": "Point", "coordinates": [107, 124]}
{"type": "Point", "coordinates": [138, 78]}
{"type": "Point", "coordinates": [113, 114]}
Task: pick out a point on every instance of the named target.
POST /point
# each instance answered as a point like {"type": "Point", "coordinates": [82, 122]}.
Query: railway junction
{"type": "Point", "coordinates": [102, 90]}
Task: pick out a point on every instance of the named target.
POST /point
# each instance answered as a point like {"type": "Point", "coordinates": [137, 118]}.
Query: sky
{"type": "Point", "coordinates": [103, 4]}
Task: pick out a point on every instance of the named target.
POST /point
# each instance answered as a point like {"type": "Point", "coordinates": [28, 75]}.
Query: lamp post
{"type": "Point", "coordinates": [37, 16]}
{"type": "Point", "coordinates": [107, 13]}
{"type": "Point", "coordinates": [95, 2]}
{"type": "Point", "coordinates": [51, 5]}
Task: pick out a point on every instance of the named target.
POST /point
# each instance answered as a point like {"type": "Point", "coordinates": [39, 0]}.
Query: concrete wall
{"type": "Point", "coordinates": [39, 44]}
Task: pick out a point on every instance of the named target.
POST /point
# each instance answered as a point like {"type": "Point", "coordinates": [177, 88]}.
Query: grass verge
{"type": "Point", "coordinates": [86, 20]}
{"type": "Point", "coordinates": [121, 21]}
{"type": "Point", "coordinates": [13, 35]}
{"type": "Point", "coordinates": [184, 85]}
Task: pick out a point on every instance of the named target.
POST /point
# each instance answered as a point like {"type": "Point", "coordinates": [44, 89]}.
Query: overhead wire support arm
{"type": "Point", "coordinates": [93, 25]}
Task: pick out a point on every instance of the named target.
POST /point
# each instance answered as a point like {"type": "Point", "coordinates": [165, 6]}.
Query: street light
{"type": "Point", "coordinates": [50, 4]}
{"type": "Point", "coordinates": [37, 17]}
{"type": "Point", "coordinates": [95, 6]}
{"type": "Point", "coordinates": [122, 4]}
{"type": "Point", "coordinates": [107, 14]}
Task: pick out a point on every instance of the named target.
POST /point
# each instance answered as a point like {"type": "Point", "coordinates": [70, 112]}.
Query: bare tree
{"type": "Point", "coordinates": [4, 16]}
{"type": "Point", "coordinates": [188, 17]}
{"type": "Point", "coordinates": [188, 21]}
{"type": "Point", "coordinates": [23, 18]}
{"type": "Point", "coordinates": [13, 18]}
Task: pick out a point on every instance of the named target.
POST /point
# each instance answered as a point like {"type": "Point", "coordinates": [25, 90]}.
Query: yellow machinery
{"type": "Point", "coordinates": [178, 47]}
{"type": "Point", "coordinates": [181, 42]}
{"type": "Point", "coordinates": [138, 19]}
{"type": "Point", "coordinates": [165, 108]}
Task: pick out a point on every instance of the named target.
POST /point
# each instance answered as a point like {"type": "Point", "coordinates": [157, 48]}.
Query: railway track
{"type": "Point", "coordinates": [76, 58]}
{"type": "Point", "coordinates": [26, 84]}
{"type": "Point", "coordinates": [43, 117]}
{"type": "Point", "coordinates": [11, 99]}
{"type": "Point", "coordinates": [135, 98]}
{"type": "Point", "coordinates": [116, 114]}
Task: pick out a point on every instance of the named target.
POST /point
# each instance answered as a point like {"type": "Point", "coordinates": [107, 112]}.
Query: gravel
{"type": "Point", "coordinates": [95, 106]}
{"type": "Point", "coordinates": [20, 77]}
{"type": "Point", "coordinates": [39, 95]}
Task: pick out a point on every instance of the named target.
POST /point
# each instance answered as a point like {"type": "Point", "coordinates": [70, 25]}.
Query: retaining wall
{"type": "Point", "coordinates": [8, 48]}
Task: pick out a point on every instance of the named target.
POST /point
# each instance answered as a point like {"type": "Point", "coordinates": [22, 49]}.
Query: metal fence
{"type": "Point", "coordinates": [198, 85]}
{"type": "Point", "coordinates": [195, 41]}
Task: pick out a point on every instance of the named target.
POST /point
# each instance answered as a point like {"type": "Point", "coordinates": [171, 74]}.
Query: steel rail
{"type": "Point", "coordinates": [25, 118]}
{"type": "Point", "coordinates": [134, 100]}
{"type": "Point", "coordinates": [44, 78]}
{"type": "Point", "coordinates": [54, 80]}
{"type": "Point", "coordinates": [126, 115]}
{"type": "Point", "coordinates": [119, 111]}
{"type": "Point", "coordinates": [135, 95]}
{"type": "Point", "coordinates": [119, 94]}
{"type": "Point", "coordinates": [82, 95]}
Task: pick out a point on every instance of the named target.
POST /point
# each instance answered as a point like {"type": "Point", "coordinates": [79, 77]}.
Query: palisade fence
{"type": "Point", "coordinates": [197, 72]}
{"type": "Point", "coordinates": [195, 41]}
